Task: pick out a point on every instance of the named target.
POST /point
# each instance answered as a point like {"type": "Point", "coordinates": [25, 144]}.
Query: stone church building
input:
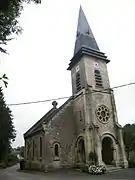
{"type": "Point", "coordinates": [87, 122]}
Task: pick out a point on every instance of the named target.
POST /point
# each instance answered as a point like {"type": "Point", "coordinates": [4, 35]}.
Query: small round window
{"type": "Point", "coordinates": [102, 113]}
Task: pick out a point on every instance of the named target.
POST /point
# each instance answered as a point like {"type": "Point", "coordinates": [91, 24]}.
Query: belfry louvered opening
{"type": "Point", "coordinates": [78, 82]}
{"type": "Point", "coordinates": [98, 78]}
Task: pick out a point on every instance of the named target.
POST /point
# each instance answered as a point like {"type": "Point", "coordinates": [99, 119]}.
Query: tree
{"type": "Point", "coordinates": [10, 11]}
{"type": "Point", "coordinates": [4, 79]}
{"type": "Point", "coordinates": [20, 150]}
{"type": "Point", "coordinates": [129, 138]}
{"type": "Point", "coordinates": [7, 130]}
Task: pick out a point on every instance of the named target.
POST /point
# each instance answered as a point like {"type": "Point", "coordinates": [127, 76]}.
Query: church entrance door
{"type": "Point", "coordinates": [107, 150]}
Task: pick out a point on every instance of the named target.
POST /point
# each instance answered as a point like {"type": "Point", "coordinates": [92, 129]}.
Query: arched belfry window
{"type": "Point", "coordinates": [98, 78]}
{"type": "Point", "coordinates": [78, 82]}
{"type": "Point", "coordinates": [56, 150]}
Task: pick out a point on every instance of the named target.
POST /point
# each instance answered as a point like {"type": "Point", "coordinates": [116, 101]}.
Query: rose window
{"type": "Point", "coordinates": [102, 113]}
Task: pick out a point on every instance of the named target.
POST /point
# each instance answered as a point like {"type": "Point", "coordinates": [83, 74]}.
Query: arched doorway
{"type": "Point", "coordinates": [107, 150]}
{"type": "Point", "coordinates": [81, 151]}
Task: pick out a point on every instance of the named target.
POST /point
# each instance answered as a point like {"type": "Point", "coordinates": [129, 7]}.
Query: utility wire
{"type": "Point", "coordinates": [47, 100]}
{"type": "Point", "coordinates": [123, 85]}
{"type": "Point", "coordinates": [34, 102]}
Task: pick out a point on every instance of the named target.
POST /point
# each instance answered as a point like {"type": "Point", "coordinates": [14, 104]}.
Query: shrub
{"type": "Point", "coordinates": [96, 170]}
{"type": "Point", "coordinates": [93, 169]}
{"type": "Point", "coordinates": [2, 165]}
{"type": "Point", "coordinates": [131, 161]}
{"type": "Point", "coordinates": [12, 160]}
{"type": "Point", "coordinates": [131, 164]}
{"type": "Point", "coordinates": [85, 169]}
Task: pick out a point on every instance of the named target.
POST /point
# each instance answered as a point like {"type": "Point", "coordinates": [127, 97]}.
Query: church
{"type": "Point", "coordinates": [87, 122]}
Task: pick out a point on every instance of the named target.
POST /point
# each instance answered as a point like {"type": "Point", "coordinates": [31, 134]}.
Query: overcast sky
{"type": "Point", "coordinates": [38, 59]}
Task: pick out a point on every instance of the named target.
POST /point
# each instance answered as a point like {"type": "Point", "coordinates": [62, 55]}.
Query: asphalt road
{"type": "Point", "coordinates": [12, 173]}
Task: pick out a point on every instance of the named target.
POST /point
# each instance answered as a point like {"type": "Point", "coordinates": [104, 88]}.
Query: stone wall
{"type": "Point", "coordinates": [34, 160]}
{"type": "Point", "coordinates": [78, 109]}
{"type": "Point", "coordinates": [90, 65]}
{"type": "Point", "coordinates": [103, 99]}
{"type": "Point", "coordinates": [63, 130]}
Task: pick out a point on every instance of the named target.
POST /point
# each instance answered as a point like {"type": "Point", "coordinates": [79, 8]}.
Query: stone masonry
{"type": "Point", "coordinates": [87, 122]}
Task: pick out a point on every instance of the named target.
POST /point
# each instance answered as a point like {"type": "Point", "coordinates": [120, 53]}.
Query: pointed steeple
{"type": "Point", "coordinates": [84, 35]}
{"type": "Point", "coordinates": [85, 42]}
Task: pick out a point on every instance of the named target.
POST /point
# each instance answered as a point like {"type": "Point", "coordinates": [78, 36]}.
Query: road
{"type": "Point", "coordinates": [12, 173]}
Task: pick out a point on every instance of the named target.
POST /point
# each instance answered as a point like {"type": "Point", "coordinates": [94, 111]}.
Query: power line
{"type": "Point", "coordinates": [55, 99]}
{"type": "Point", "coordinates": [123, 85]}
{"type": "Point", "coordinates": [34, 102]}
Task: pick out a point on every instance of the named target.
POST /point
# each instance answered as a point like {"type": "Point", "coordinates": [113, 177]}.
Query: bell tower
{"type": "Point", "coordinates": [90, 82]}
{"type": "Point", "coordinates": [88, 65]}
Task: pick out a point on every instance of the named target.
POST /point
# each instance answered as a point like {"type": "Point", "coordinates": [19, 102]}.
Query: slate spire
{"type": "Point", "coordinates": [84, 35]}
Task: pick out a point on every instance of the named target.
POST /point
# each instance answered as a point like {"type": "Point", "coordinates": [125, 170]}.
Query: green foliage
{"type": "Point", "coordinates": [4, 79]}
{"type": "Point", "coordinates": [94, 169]}
{"type": "Point", "coordinates": [10, 11]}
{"type": "Point", "coordinates": [129, 138]}
{"type": "Point", "coordinates": [97, 170]}
{"type": "Point", "coordinates": [7, 131]}
{"type": "Point", "coordinates": [20, 150]}
{"type": "Point", "coordinates": [11, 159]}
{"type": "Point", "coordinates": [85, 168]}
{"type": "Point", "coordinates": [132, 160]}
{"type": "Point", "coordinates": [2, 165]}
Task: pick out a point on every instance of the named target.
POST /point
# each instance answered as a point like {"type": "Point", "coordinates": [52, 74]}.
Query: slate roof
{"type": "Point", "coordinates": [85, 42]}
{"type": "Point", "coordinates": [84, 35]}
